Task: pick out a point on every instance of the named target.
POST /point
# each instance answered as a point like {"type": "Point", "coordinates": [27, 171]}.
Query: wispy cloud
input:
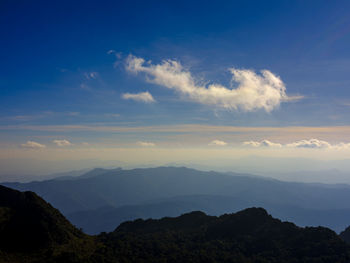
{"type": "Point", "coordinates": [83, 86]}
{"type": "Point", "coordinates": [62, 143]}
{"type": "Point", "coordinates": [91, 75]}
{"type": "Point", "coordinates": [146, 144]}
{"type": "Point", "coordinates": [39, 115]}
{"type": "Point", "coordinates": [311, 144]}
{"type": "Point", "coordinates": [23, 117]}
{"type": "Point", "coordinates": [252, 91]}
{"type": "Point", "coordinates": [73, 113]}
{"type": "Point", "coordinates": [145, 97]}
{"type": "Point", "coordinates": [113, 115]}
{"type": "Point", "coordinates": [344, 103]}
{"type": "Point", "coordinates": [118, 55]}
{"type": "Point", "coordinates": [263, 143]}
{"type": "Point", "coordinates": [33, 145]}
{"type": "Point", "coordinates": [298, 131]}
{"type": "Point", "coordinates": [217, 143]}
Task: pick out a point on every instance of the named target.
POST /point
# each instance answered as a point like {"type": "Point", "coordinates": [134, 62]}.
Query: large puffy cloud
{"type": "Point", "coordinates": [62, 143]}
{"type": "Point", "coordinates": [217, 143]}
{"type": "Point", "coordinates": [33, 145]}
{"type": "Point", "coordinates": [142, 96]}
{"type": "Point", "coordinates": [252, 92]}
{"type": "Point", "coordinates": [311, 143]}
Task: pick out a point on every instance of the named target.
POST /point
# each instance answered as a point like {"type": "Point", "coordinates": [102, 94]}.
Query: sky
{"type": "Point", "coordinates": [120, 83]}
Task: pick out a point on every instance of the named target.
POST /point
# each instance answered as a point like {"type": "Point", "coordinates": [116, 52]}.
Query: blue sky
{"type": "Point", "coordinates": [64, 75]}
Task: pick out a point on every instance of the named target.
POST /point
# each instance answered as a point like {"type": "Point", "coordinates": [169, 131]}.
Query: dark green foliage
{"type": "Point", "coordinates": [29, 223]}
{"type": "Point", "coordinates": [31, 230]}
{"type": "Point", "coordinates": [30, 227]}
{"type": "Point", "coordinates": [247, 236]}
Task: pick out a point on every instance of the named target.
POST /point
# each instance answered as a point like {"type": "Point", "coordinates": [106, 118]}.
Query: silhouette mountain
{"type": "Point", "coordinates": [28, 222]}
{"type": "Point", "coordinates": [345, 235]}
{"type": "Point", "coordinates": [105, 219]}
{"type": "Point", "coordinates": [31, 230]}
{"type": "Point", "coordinates": [250, 235]}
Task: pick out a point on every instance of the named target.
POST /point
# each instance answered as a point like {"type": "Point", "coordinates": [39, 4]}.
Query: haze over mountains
{"type": "Point", "coordinates": [101, 199]}
{"type": "Point", "coordinates": [304, 170]}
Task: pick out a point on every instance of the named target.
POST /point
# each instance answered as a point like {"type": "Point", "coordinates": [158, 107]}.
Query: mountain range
{"type": "Point", "coordinates": [101, 199]}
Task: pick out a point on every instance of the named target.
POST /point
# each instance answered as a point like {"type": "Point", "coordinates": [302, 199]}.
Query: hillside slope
{"type": "Point", "coordinates": [31, 230]}
{"type": "Point", "coordinates": [106, 219]}
{"type": "Point", "coordinates": [345, 235]}
{"type": "Point", "coordinates": [30, 226]}
{"type": "Point", "coordinates": [247, 236]}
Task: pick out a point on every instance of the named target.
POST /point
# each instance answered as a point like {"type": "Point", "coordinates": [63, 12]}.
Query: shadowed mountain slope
{"type": "Point", "coordinates": [247, 236]}
{"type": "Point", "coordinates": [31, 230]}
{"type": "Point", "coordinates": [28, 222]}
{"type": "Point", "coordinates": [345, 235]}
{"type": "Point", "coordinates": [105, 219]}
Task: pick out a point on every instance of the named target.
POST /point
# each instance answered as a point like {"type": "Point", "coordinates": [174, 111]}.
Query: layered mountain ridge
{"type": "Point", "coordinates": [101, 199]}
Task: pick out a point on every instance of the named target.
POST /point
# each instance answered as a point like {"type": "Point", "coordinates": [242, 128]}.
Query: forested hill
{"type": "Point", "coordinates": [31, 230]}
{"type": "Point", "coordinates": [29, 223]}
{"type": "Point", "coordinates": [250, 235]}
{"type": "Point", "coordinates": [345, 235]}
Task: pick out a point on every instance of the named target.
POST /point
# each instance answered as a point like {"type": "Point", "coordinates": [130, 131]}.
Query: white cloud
{"type": "Point", "coordinates": [118, 55]}
{"type": "Point", "coordinates": [142, 96]}
{"type": "Point", "coordinates": [217, 143]}
{"type": "Point", "coordinates": [251, 143]}
{"type": "Point", "coordinates": [91, 75]}
{"type": "Point", "coordinates": [33, 145]}
{"type": "Point", "coordinates": [342, 145]}
{"type": "Point", "coordinates": [311, 143]}
{"type": "Point", "coordinates": [252, 92]}
{"type": "Point", "coordinates": [62, 143]}
{"type": "Point", "coordinates": [146, 144]}
{"type": "Point", "coordinates": [84, 86]}
{"type": "Point", "coordinates": [263, 143]}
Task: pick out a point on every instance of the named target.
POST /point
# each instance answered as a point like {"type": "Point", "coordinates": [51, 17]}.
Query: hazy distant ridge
{"type": "Point", "coordinates": [99, 198]}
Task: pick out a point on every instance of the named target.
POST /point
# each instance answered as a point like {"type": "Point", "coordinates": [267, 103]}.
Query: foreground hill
{"type": "Point", "coordinates": [31, 230]}
{"type": "Point", "coordinates": [30, 226]}
{"type": "Point", "coordinates": [345, 235]}
{"type": "Point", "coordinates": [108, 197]}
{"type": "Point", "coordinates": [105, 219]}
{"type": "Point", "coordinates": [247, 236]}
